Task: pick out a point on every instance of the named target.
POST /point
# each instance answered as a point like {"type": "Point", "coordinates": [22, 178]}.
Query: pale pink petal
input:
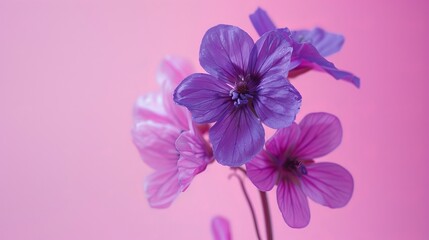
{"type": "Point", "coordinates": [150, 107]}
{"type": "Point", "coordinates": [321, 133]}
{"type": "Point", "coordinates": [160, 107]}
{"type": "Point", "coordinates": [195, 154]}
{"type": "Point", "coordinates": [172, 71]}
{"type": "Point", "coordinates": [221, 229]}
{"type": "Point", "coordinates": [162, 187]}
{"type": "Point", "coordinates": [328, 184]}
{"type": "Point", "coordinates": [178, 115]}
{"type": "Point", "coordinates": [293, 204]}
{"type": "Point", "coordinates": [156, 144]}
{"type": "Point", "coordinates": [262, 171]}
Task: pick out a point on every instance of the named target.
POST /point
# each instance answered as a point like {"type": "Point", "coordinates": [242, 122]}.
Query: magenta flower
{"type": "Point", "coordinates": [167, 139]}
{"type": "Point", "coordinates": [309, 48]}
{"type": "Point", "coordinates": [220, 228]}
{"type": "Point", "coordinates": [245, 85]}
{"type": "Point", "coordinates": [288, 161]}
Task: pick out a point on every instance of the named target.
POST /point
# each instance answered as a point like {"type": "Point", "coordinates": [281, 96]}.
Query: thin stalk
{"type": "Point", "coordinates": [267, 216]}
{"type": "Point", "coordinates": [252, 210]}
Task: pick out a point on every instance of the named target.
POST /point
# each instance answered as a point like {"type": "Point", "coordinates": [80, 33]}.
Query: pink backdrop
{"type": "Point", "coordinates": [71, 70]}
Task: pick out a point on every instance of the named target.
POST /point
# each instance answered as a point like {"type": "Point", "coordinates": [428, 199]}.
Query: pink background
{"type": "Point", "coordinates": [71, 70]}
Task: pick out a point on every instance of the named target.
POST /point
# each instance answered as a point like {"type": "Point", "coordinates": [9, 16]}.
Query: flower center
{"type": "Point", "coordinates": [240, 93]}
{"type": "Point", "coordinates": [296, 166]}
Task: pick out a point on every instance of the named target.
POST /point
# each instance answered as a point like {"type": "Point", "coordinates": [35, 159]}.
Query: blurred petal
{"type": "Point", "coordinates": [321, 133]}
{"type": "Point", "coordinates": [293, 204]}
{"type": "Point", "coordinates": [172, 71]}
{"type": "Point", "coordinates": [205, 97]}
{"type": "Point", "coordinates": [271, 54]}
{"type": "Point", "coordinates": [162, 187]}
{"type": "Point", "coordinates": [195, 154]}
{"type": "Point", "coordinates": [277, 102]}
{"type": "Point", "coordinates": [283, 142]}
{"type": "Point", "coordinates": [225, 51]}
{"type": "Point", "coordinates": [221, 228]}
{"type": "Point", "coordinates": [261, 21]}
{"type": "Point", "coordinates": [326, 43]}
{"type": "Point", "coordinates": [156, 144]}
{"type": "Point", "coordinates": [237, 137]}
{"type": "Point", "coordinates": [310, 57]}
{"type": "Point", "coordinates": [262, 171]}
{"type": "Point", "coordinates": [328, 184]}
{"type": "Point", "coordinates": [150, 107]}
{"type": "Point", "coordinates": [178, 115]}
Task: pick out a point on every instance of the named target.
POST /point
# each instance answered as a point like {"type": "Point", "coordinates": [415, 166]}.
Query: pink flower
{"type": "Point", "coordinates": [167, 139]}
{"type": "Point", "coordinates": [288, 161]}
{"type": "Point", "coordinates": [221, 229]}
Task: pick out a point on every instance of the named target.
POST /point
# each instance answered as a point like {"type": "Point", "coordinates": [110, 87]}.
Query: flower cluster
{"type": "Point", "coordinates": [167, 139]}
{"type": "Point", "coordinates": [198, 118]}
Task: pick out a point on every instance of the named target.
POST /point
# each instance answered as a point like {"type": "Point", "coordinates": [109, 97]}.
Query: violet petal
{"type": "Point", "coordinates": [308, 56]}
{"type": "Point", "coordinates": [277, 102]}
{"type": "Point", "coordinates": [262, 171]}
{"type": "Point", "coordinates": [237, 137]}
{"type": "Point", "coordinates": [261, 21]}
{"type": "Point", "coordinates": [283, 142]}
{"type": "Point", "coordinates": [224, 52]}
{"type": "Point", "coordinates": [321, 133]}
{"type": "Point", "coordinates": [204, 96]}
{"type": "Point", "coordinates": [328, 184]}
{"type": "Point", "coordinates": [271, 54]}
{"type": "Point", "coordinates": [293, 204]}
{"type": "Point", "coordinates": [325, 42]}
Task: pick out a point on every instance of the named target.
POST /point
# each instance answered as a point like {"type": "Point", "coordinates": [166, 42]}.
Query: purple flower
{"type": "Point", "coordinates": [288, 161]}
{"type": "Point", "coordinates": [167, 139]}
{"type": "Point", "coordinates": [309, 48]}
{"type": "Point", "coordinates": [245, 85]}
{"type": "Point", "coordinates": [326, 43]}
{"type": "Point", "coordinates": [220, 228]}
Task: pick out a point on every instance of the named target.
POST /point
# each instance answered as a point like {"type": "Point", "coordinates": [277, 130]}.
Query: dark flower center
{"type": "Point", "coordinates": [296, 166]}
{"type": "Point", "coordinates": [240, 93]}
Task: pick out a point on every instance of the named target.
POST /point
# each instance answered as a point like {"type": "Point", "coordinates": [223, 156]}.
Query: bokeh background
{"type": "Point", "coordinates": [70, 72]}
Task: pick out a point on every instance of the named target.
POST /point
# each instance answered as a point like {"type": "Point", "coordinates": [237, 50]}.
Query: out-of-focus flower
{"type": "Point", "coordinates": [220, 228]}
{"type": "Point", "coordinates": [245, 85]}
{"type": "Point", "coordinates": [167, 140]}
{"type": "Point", "coordinates": [309, 48]}
{"type": "Point", "coordinates": [326, 43]}
{"type": "Point", "coordinates": [288, 161]}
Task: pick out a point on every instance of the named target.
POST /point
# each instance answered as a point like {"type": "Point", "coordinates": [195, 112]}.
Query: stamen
{"type": "Point", "coordinates": [240, 94]}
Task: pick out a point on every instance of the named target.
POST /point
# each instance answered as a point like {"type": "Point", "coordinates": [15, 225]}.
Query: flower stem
{"type": "Point", "coordinates": [267, 216]}
{"type": "Point", "coordinates": [252, 210]}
